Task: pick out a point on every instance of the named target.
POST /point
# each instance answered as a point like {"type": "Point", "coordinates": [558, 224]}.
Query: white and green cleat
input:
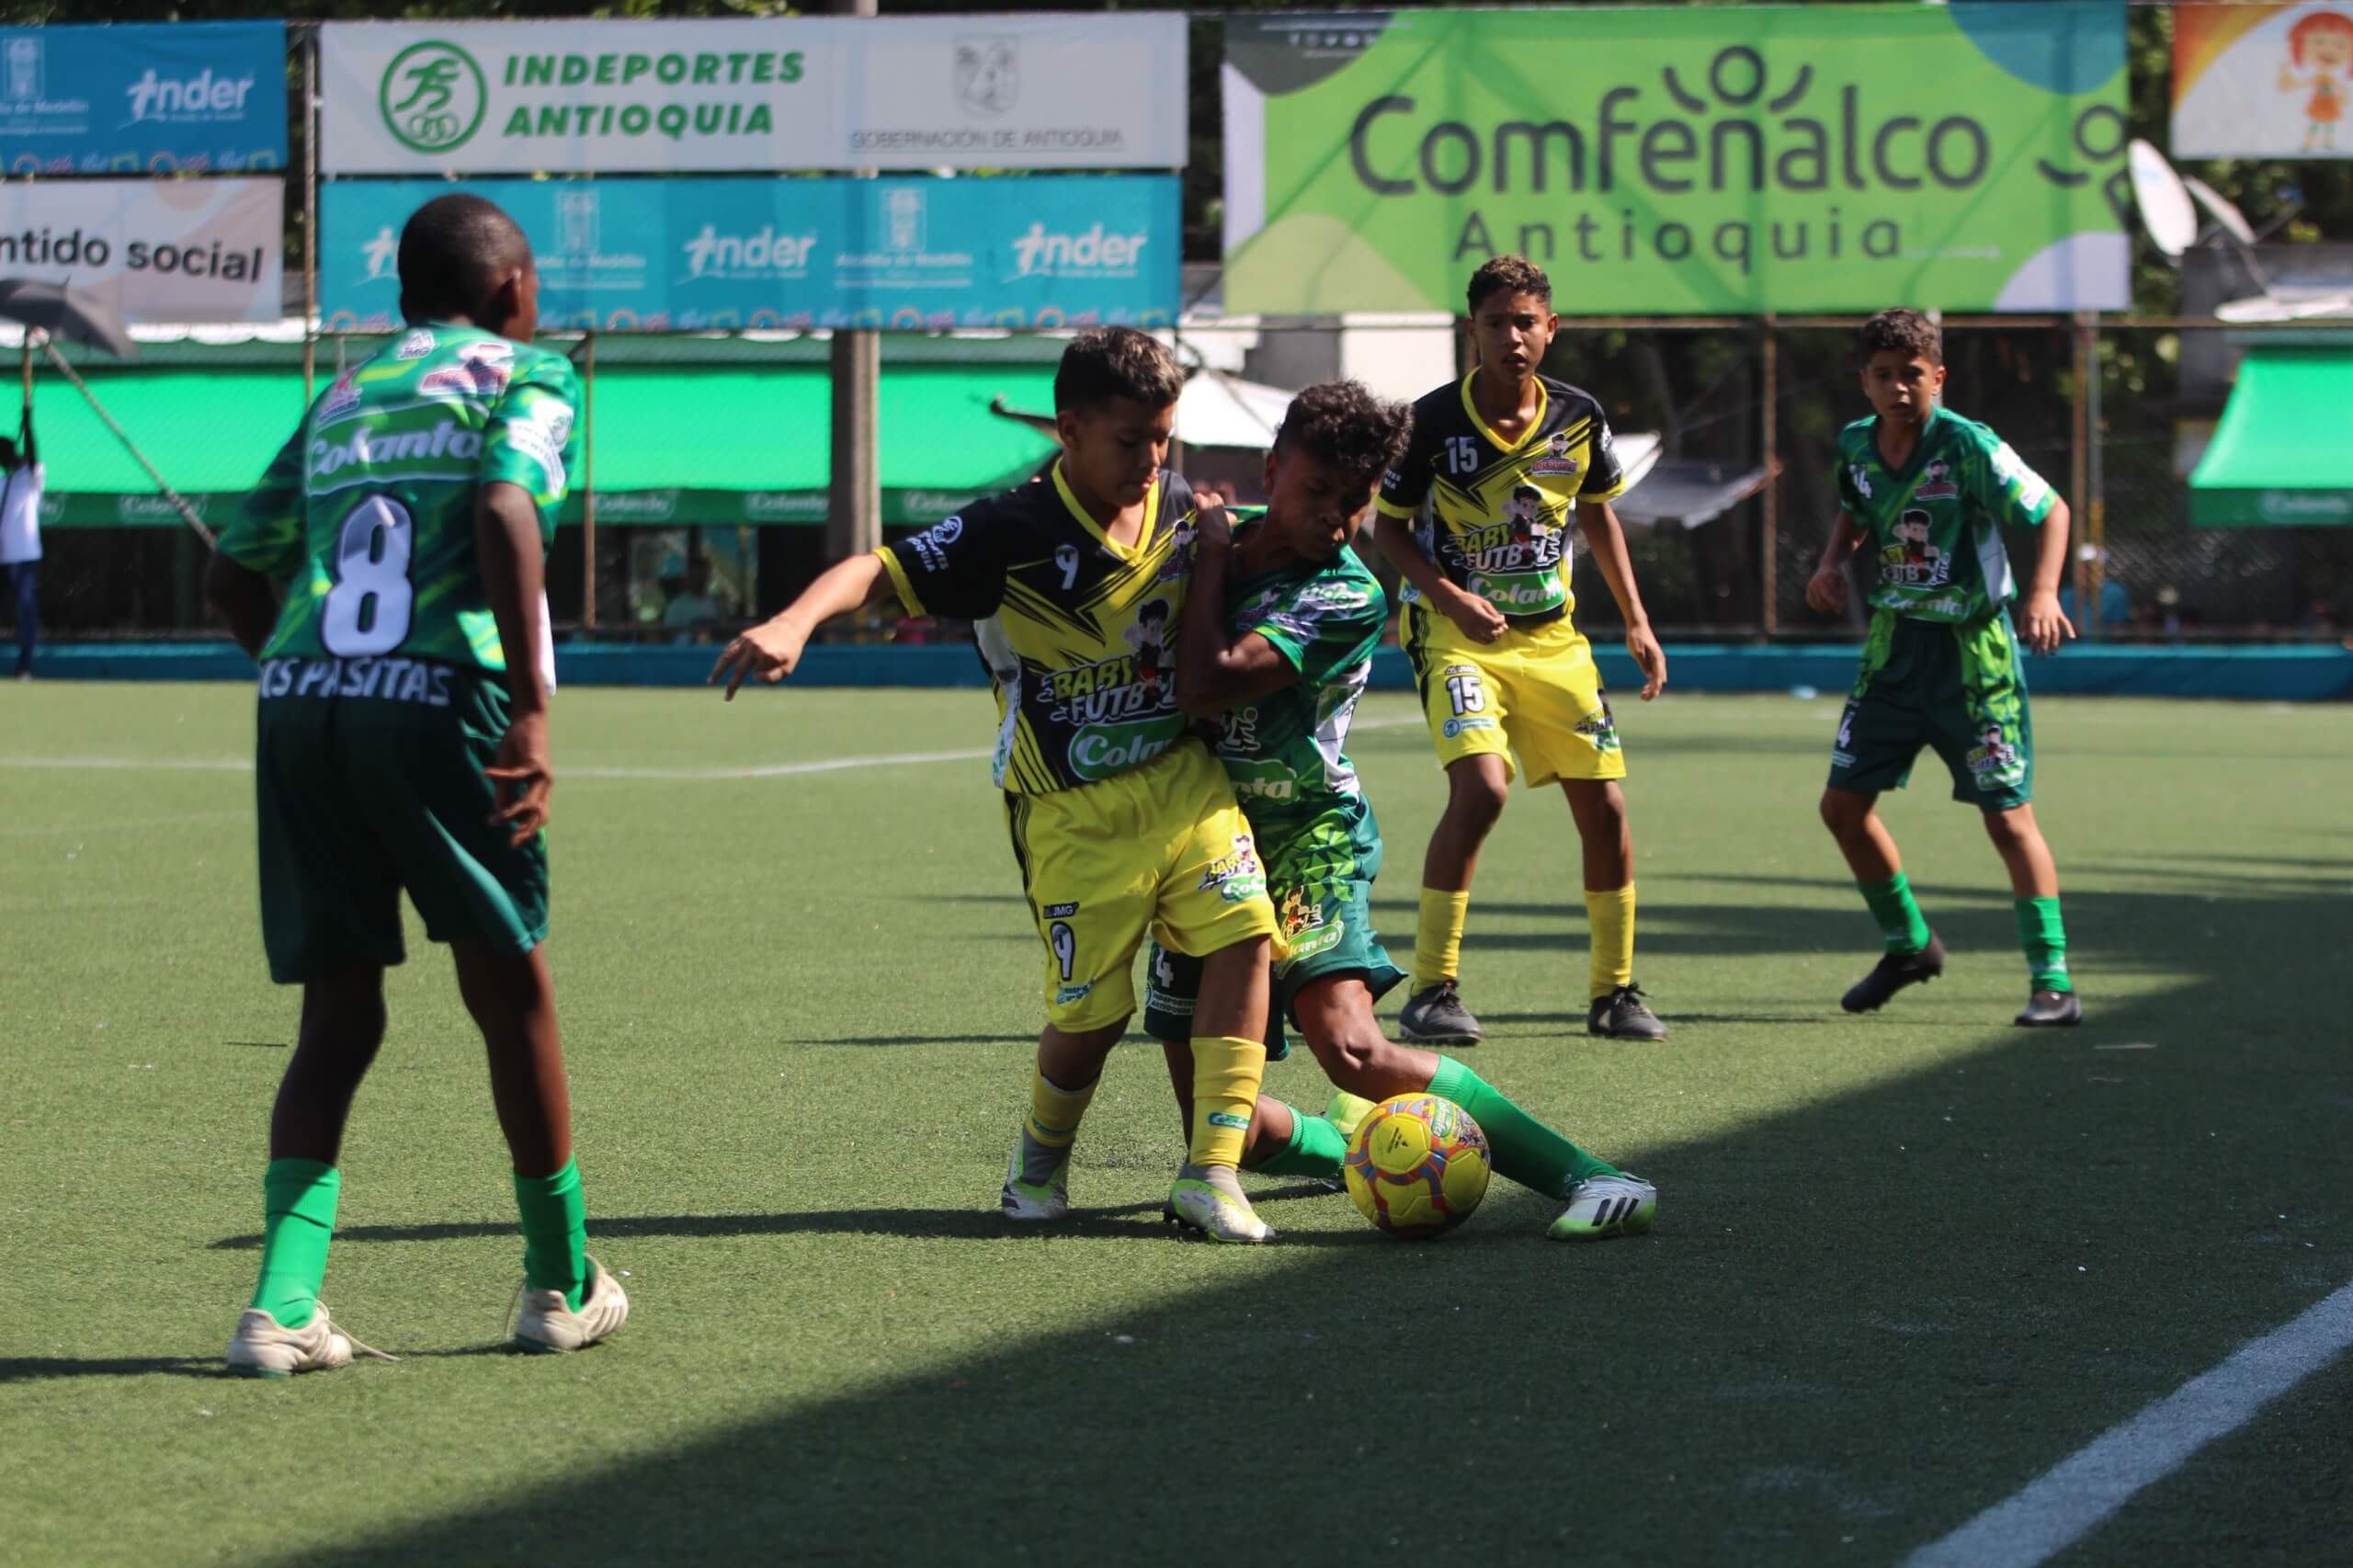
{"type": "Point", "coordinates": [261, 1349]}
{"type": "Point", "coordinates": [1208, 1198]}
{"type": "Point", "coordinates": [548, 1325]}
{"type": "Point", "coordinates": [1037, 1185]}
{"type": "Point", "coordinates": [1604, 1206]}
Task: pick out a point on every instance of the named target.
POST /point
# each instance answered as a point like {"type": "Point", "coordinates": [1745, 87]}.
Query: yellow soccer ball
{"type": "Point", "coordinates": [1417, 1166]}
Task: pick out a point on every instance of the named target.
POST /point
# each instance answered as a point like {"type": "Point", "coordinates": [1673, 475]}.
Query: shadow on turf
{"type": "Point", "coordinates": [39, 1369]}
{"type": "Point", "coordinates": [921, 1225]}
{"type": "Point", "coordinates": [1863, 1319]}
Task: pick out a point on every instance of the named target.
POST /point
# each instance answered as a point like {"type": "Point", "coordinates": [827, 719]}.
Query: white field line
{"type": "Point", "coordinates": [680, 775]}
{"type": "Point", "coordinates": [2066, 1502]}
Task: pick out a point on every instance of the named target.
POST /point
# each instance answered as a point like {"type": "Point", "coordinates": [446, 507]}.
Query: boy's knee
{"type": "Point", "coordinates": [1842, 810]}
{"type": "Point", "coordinates": [2013, 826]}
{"type": "Point", "coordinates": [1475, 796]}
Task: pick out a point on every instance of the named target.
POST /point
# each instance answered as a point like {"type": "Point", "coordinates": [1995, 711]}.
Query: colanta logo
{"type": "Point", "coordinates": [202, 97]}
{"type": "Point", "coordinates": [764, 253]}
{"type": "Point", "coordinates": [1041, 254]}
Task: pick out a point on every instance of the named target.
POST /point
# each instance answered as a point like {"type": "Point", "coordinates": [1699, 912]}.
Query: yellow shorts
{"type": "Point", "coordinates": [1536, 693]}
{"type": "Point", "coordinates": [1161, 847]}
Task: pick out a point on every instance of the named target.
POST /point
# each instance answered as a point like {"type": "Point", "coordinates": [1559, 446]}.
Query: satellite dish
{"type": "Point", "coordinates": [2164, 204]}
{"type": "Point", "coordinates": [2221, 208]}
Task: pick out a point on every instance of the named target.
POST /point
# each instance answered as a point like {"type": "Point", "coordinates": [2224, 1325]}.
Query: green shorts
{"type": "Point", "coordinates": [1319, 873]}
{"type": "Point", "coordinates": [1957, 688]}
{"type": "Point", "coordinates": [369, 779]}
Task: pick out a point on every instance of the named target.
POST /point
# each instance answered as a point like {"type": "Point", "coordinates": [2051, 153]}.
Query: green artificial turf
{"type": "Point", "coordinates": [1904, 1262]}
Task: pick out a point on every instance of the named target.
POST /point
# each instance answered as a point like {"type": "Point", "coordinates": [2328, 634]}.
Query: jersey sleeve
{"type": "Point", "coordinates": [2008, 489]}
{"type": "Point", "coordinates": [955, 567]}
{"type": "Point", "coordinates": [265, 536]}
{"type": "Point", "coordinates": [1850, 501]}
{"type": "Point", "coordinates": [1605, 476]}
{"type": "Point", "coordinates": [532, 440]}
{"type": "Point", "coordinates": [1404, 488]}
{"type": "Point", "coordinates": [1327, 624]}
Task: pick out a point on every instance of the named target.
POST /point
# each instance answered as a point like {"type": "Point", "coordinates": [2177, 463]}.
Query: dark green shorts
{"type": "Point", "coordinates": [1957, 688]}
{"type": "Point", "coordinates": [369, 779]}
{"type": "Point", "coordinates": [1319, 873]}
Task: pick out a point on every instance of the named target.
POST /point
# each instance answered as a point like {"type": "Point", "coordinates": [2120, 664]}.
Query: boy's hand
{"type": "Point", "coordinates": [523, 777]}
{"type": "Point", "coordinates": [1826, 590]}
{"type": "Point", "coordinates": [2045, 625]}
{"type": "Point", "coordinates": [770, 652]}
{"type": "Point", "coordinates": [1480, 622]}
{"type": "Point", "coordinates": [1649, 657]}
{"type": "Point", "coordinates": [1213, 530]}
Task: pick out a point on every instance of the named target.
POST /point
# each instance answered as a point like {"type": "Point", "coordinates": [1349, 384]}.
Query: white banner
{"type": "Point", "coordinates": [158, 251]}
{"type": "Point", "coordinates": [789, 93]}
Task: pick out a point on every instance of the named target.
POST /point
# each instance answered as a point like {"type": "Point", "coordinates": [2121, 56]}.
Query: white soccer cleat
{"type": "Point", "coordinates": [260, 1349]}
{"type": "Point", "coordinates": [1606, 1206]}
{"type": "Point", "coordinates": [1208, 1198]}
{"type": "Point", "coordinates": [1047, 1197]}
{"type": "Point", "coordinates": [547, 1326]}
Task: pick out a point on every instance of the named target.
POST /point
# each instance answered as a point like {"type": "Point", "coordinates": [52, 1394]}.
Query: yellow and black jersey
{"type": "Point", "coordinates": [1078, 632]}
{"type": "Point", "coordinates": [1500, 512]}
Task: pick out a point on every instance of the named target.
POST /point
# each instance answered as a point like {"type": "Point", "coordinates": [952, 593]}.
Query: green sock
{"type": "Point", "coordinates": [1900, 920]}
{"type": "Point", "coordinates": [297, 1221]}
{"type": "Point", "coordinates": [2045, 941]}
{"type": "Point", "coordinates": [555, 1233]}
{"type": "Point", "coordinates": [1525, 1149]}
{"type": "Point", "coordinates": [1317, 1149]}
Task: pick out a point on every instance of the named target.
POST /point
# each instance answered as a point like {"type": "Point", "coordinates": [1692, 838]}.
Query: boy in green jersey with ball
{"type": "Point", "coordinates": [1276, 648]}
{"type": "Point", "coordinates": [1927, 492]}
{"type": "Point", "coordinates": [403, 745]}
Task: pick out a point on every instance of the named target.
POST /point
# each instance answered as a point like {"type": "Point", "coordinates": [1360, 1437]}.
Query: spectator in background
{"type": "Point", "coordinates": [20, 535]}
{"type": "Point", "coordinates": [2115, 605]}
{"type": "Point", "coordinates": [691, 610]}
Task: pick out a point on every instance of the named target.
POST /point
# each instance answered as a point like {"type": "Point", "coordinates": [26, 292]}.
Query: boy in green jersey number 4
{"type": "Point", "coordinates": [1276, 647]}
{"type": "Point", "coordinates": [403, 744]}
{"type": "Point", "coordinates": [1927, 492]}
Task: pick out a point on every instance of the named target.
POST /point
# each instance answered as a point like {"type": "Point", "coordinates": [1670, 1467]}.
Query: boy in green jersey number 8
{"type": "Point", "coordinates": [403, 745]}
{"type": "Point", "coordinates": [1927, 492]}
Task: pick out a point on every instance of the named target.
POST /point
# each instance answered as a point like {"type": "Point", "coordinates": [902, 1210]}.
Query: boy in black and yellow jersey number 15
{"type": "Point", "coordinates": [1121, 822]}
{"type": "Point", "coordinates": [1504, 460]}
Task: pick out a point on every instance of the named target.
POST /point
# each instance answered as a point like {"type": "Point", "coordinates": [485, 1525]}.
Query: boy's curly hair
{"type": "Point", "coordinates": [1341, 422]}
{"type": "Point", "coordinates": [1113, 362]}
{"type": "Point", "coordinates": [1508, 275]}
{"type": "Point", "coordinates": [1903, 331]}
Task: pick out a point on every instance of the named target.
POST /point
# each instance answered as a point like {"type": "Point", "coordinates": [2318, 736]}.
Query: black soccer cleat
{"type": "Point", "coordinates": [1622, 1014]}
{"type": "Point", "coordinates": [1435, 1015]}
{"type": "Point", "coordinates": [2052, 1010]}
{"type": "Point", "coordinates": [1892, 974]}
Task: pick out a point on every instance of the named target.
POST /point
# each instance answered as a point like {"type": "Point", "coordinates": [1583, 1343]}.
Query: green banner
{"type": "Point", "coordinates": [1709, 159]}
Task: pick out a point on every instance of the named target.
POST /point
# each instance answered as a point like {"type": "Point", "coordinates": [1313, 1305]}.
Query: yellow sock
{"type": "Point", "coordinates": [1612, 915]}
{"type": "Point", "coordinates": [1054, 1111]}
{"type": "Point", "coordinates": [1225, 1090]}
{"type": "Point", "coordinates": [1437, 940]}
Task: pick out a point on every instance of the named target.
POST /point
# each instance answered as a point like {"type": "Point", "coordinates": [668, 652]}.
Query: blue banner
{"type": "Point", "coordinates": [182, 96]}
{"type": "Point", "coordinates": [913, 255]}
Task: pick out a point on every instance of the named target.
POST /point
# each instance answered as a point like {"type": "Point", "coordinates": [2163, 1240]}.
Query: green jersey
{"type": "Point", "coordinates": [1933, 528]}
{"type": "Point", "coordinates": [368, 515]}
{"type": "Point", "coordinates": [1283, 751]}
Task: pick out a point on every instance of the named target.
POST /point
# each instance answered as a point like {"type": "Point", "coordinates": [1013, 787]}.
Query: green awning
{"type": "Point", "coordinates": [721, 445]}
{"type": "Point", "coordinates": [2282, 456]}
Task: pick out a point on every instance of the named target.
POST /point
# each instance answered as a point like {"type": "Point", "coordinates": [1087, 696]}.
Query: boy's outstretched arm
{"type": "Point", "coordinates": [1214, 671]}
{"type": "Point", "coordinates": [2042, 624]}
{"type": "Point", "coordinates": [508, 551]}
{"type": "Point", "coordinates": [772, 649]}
{"type": "Point", "coordinates": [1607, 539]}
{"type": "Point", "coordinates": [1827, 589]}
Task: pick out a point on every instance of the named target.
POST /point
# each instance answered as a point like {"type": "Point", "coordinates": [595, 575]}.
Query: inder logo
{"type": "Point", "coordinates": [433, 96]}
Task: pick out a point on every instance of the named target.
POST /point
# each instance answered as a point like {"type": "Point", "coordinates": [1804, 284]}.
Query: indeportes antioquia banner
{"type": "Point", "coordinates": [1706, 159]}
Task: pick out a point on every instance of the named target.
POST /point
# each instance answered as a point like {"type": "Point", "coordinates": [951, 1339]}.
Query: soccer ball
{"type": "Point", "coordinates": [1417, 1166]}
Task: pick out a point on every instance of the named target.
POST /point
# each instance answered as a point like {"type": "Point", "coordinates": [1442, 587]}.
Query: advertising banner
{"type": "Point", "coordinates": [187, 96]}
{"type": "Point", "coordinates": [928, 253]}
{"type": "Point", "coordinates": [158, 251]}
{"type": "Point", "coordinates": [2262, 80]}
{"type": "Point", "coordinates": [813, 93]}
{"type": "Point", "coordinates": [1713, 159]}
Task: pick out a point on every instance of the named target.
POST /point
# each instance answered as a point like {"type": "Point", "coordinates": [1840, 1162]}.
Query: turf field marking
{"type": "Point", "coordinates": [2066, 1502]}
